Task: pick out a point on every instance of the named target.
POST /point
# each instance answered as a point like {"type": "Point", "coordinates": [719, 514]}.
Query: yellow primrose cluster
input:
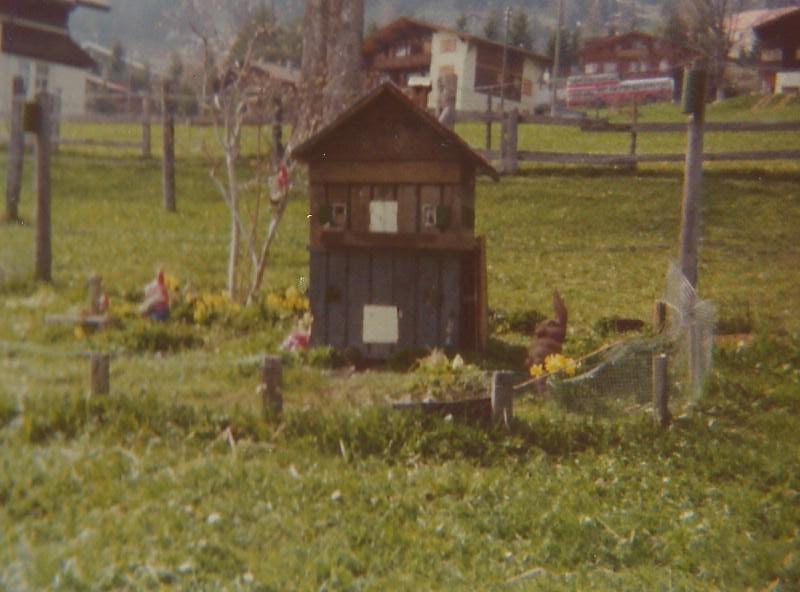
{"type": "Point", "coordinates": [553, 364]}
{"type": "Point", "coordinates": [209, 305]}
{"type": "Point", "coordinates": [291, 302]}
{"type": "Point", "coordinates": [171, 283]}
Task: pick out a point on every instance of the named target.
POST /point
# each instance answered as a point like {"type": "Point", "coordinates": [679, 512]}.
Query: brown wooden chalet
{"type": "Point", "coordinates": [779, 50]}
{"type": "Point", "coordinates": [394, 260]}
{"type": "Point", "coordinates": [38, 29]}
{"type": "Point", "coordinates": [633, 55]}
{"type": "Point", "coordinates": [409, 51]}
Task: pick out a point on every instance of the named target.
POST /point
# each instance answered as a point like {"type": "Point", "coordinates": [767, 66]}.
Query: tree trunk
{"type": "Point", "coordinates": [344, 56]}
{"type": "Point", "coordinates": [233, 247]}
{"type": "Point", "coordinates": [308, 115]}
{"type": "Point", "coordinates": [332, 70]}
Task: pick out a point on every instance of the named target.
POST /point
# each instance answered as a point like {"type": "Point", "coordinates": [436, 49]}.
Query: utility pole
{"type": "Point", "coordinates": [556, 60]}
{"type": "Point", "coordinates": [505, 61]}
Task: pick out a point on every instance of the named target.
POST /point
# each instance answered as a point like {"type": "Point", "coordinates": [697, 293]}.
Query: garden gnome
{"type": "Point", "coordinates": [156, 299]}
{"type": "Point", "coordinates": [549, 334]}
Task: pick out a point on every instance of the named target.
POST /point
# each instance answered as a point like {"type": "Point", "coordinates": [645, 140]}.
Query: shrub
{"type": "Point", "coordinates": [151, 336]}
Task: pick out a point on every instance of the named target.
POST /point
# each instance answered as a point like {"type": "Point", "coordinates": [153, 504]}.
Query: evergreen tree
{"type": "Point", "coordinates": [491, 28]}
{"type": "Point", "coordinates": [568, 54]}
{"type": "Point", "coordinates": [672, 26]}
{"type": "Point", "coordinates": [462, 23]}
{"type": "Point", "coordinates": [519, 34]}
{"type": "Point", "coordinates": [176, 67]}
{"type": "Point", "coordinates": [372, 28]}
{"type": "Point", "coordinates": [271, 42]}
{"type": "Point", "coordinates": [117, 68]}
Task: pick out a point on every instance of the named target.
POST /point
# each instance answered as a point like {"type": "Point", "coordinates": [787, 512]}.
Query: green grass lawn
{"type": "Point", "coordinates": [146, 490]}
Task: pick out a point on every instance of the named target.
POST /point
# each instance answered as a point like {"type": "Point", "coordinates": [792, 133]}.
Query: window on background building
{"type": "Point", "coordinates": [797, 54]}
{"type": "Point", "coordinates": [590, 69]}
{"type": "Point", "coordinates": [609, 68]}
{"type": "Point", "coordinates": [771, 55]}
{"type": "Point", "coordinates": [24, 71]}
{"type": "Point", "coordinates": [42, 74]}
{"type": "Point", "coordinates": [663, 65]}
{"type": "Point", "coordinates": [447, 45]}
{"type": "Point", "coordinates": [527, 87]}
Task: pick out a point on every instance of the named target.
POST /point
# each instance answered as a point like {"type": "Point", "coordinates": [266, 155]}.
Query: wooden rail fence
{"type": "Point", "coordinates": [509, 155]}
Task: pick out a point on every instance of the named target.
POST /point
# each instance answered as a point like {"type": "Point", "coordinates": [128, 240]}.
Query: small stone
{"type": "Point", "coordinates": [213, 518]}
{"type": "Point", "coordinates": [336, 496]}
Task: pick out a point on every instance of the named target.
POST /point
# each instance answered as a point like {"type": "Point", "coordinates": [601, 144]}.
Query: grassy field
{"type": "Point", "coordinates": [174, 482]}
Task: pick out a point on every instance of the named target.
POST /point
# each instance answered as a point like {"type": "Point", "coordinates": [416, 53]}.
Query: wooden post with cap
{"type": "Point", "coordinates": [271, 385]}
{"type": "Point", "coordinates": [168, 157]}
{"type": "Point", "coordinates": [16, 151]}
{"type": "Point", "coordinates": [43, 252]}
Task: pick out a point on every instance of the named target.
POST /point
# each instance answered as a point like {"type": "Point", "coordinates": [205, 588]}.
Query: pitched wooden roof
{"type": "Point", "coordinates": [38, 29]}
{"type": "Point", "coordinates": [406, 26]}
{"type": "Point", "coordinates": [776, 20]}
{"type": "Point", "coordinates": [388, 92]}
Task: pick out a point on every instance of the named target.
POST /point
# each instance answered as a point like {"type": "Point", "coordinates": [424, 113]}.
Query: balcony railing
{"type": "Point", "coordinates": [417, 60]}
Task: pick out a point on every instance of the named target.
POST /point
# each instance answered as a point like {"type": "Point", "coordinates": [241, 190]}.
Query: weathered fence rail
{"type": "Point", "coordinates": [509, 155]}
{"type": "Point", "coordinates": [627, 159]}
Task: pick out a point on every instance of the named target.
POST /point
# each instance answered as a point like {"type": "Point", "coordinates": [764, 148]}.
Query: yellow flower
{"type": "Point", "coordinates": [273, 301]}
{"type": "Point", "coordinates": [79, 334]}
{"type": "Point", "coordinates": [536, 370]}
{"type": "Point", "coordinates": [171, 282]}
{"type": "Point", "coordinates": [553, 363]}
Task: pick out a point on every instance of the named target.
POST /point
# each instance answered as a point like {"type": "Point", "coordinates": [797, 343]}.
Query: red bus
{"type": "Point", "coordinates": [607, 90]}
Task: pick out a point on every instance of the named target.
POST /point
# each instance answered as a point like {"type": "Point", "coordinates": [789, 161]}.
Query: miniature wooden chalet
{"type": "Point", "coordinates": [395, 263]}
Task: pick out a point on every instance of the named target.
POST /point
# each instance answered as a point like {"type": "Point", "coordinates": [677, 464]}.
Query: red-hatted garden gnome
{"type": "Point", "coordinates": [156, 299]}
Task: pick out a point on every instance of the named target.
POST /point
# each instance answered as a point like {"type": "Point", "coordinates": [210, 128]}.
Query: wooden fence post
{"type": "Point", "coordinates": [509, 150]}
{"type": "Point", "coordinates": [146, 125]}
{"type": "Point", "coordinates": [488, 121]}
{"type": "Point", "coordinates": [503, 397]}
{"type": "Point", "coordinates": [271, 385]}
{"type": "Point", "coordinates": [95, 293]}
{"type": "Point", "coordinates": [634, 122]}
{"type": "Point", "coordinates": [168, 157]}
{"type": "Point", "coordinates": [43, 251]}
{"type": "Point", "coordinates": [660, 371]}
{"type": "Point", "coordinates": [16, 151]}
{"type": "Point", "coordinates": [99, 374]}
{"type": "Point", "coordinates": [55, 121]}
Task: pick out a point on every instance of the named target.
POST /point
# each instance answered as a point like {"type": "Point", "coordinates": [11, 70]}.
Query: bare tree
{"type": "Point", "coordinates": [711, 31]}
{"type": "Point", "coordinates": [331, 78]}
{"type": "Point", "coordinates": [230, 92]}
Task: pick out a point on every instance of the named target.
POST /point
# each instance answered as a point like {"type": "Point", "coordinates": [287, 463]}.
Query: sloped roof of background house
{"type": "Point", "coordinates": [400, 28]}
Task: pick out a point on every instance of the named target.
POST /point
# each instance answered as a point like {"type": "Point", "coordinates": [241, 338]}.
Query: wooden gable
{"type": "Point", "coordinates": [39, 30]}
{"type": "Point", "coordinates": [385, 126]}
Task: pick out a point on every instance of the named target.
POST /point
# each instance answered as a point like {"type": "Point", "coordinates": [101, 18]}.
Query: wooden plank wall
{"type": "Point", "coordinates": [426, 286]}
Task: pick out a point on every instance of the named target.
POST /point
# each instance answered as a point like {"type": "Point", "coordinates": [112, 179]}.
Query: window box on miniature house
{"type": "Point", "coordinates": [395, 263]}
